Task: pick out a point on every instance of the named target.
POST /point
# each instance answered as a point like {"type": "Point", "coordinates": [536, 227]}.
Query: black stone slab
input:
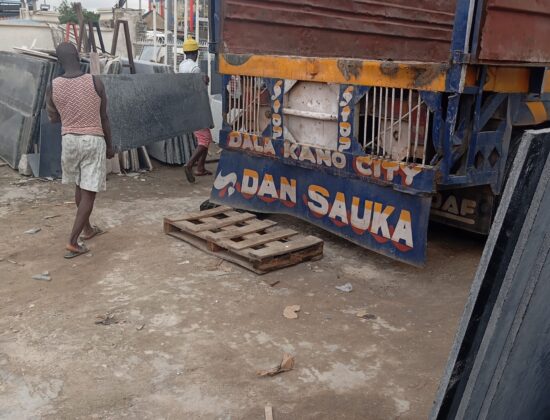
{"type": "Point", "coordinates": [498, 367]}
{"type": "Point", "coordinates": [20, 80]}
{"type": "Point", "coordinates": [146, 108]}
{"type": "Point", "coordinates": [23, 82]}
{"type": "Point", "coordinates": [15, 126]}
{"type": "Point", "coordinates": [50, 148]}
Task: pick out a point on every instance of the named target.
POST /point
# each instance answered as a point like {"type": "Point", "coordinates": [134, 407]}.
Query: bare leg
{"type": "Point", "coordinates": [189, 166]}
{"type": "Point", "coordinates": [87, 230]}
{"type": "Point", "coordinates": [85, 207]}
{"type": "Point", "coordinates": [202, 160]}
{"type": "Point", "coordinates": [196, 156]}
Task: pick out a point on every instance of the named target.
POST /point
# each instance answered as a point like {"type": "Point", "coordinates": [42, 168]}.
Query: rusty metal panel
{"type": "Point", "coordinates": [363, 29]}
{"type": "Point", "coordinates": [516, 31]}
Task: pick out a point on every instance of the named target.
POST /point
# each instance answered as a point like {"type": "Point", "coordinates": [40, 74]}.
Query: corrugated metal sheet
{"type": "Point", "coordinates": [364, 29]}
{"type": "Point", "coordinates": [516, 30]}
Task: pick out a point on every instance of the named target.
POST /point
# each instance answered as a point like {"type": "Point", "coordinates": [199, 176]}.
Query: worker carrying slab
{"type": "Point", "coordinates": [79, 102]}
{"type": "Point", "coordinates": [204, 136]}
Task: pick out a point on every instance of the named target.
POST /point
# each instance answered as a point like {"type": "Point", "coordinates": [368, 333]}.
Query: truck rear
{"type": "Point", "coordinates": [369, 118]}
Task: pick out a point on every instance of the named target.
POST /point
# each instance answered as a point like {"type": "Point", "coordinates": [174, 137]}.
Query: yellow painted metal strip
{"type": "Point", "coordinates": [507, 79]}
{"type": "Point", "coordinates": [332, 70]}
{"type": "Point", "coordinates": [422, 76]}
{"type": "Point", "coordinates": [511, 79]}
{"type": "Point", "coordinates": [547, 82]}
{"type": "Point", "coordinates": [539, 112]}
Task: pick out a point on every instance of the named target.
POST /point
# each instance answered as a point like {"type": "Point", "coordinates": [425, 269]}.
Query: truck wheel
{"type": "Point", "coordinates": [515, 140]}
{"type": "Point", "coordinates": [207, 205]}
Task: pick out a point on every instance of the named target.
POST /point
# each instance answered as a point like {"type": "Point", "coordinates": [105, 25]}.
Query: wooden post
{"type": "Point", "coordinates": [100, 36]}
{"type": "Point", "coordinates": [129, 47]}
{"type": "Point", "coordinates": [124, 23]}
{"type": "Point", "coordinates": [92, 36]}
{"type": "Point", "coordinates": [115, 38]}
{"type": "Point", "coordinates": [83, 37]}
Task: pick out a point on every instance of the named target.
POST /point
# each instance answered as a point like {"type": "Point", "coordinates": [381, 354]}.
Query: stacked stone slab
{"type": "Point", "coordinates": [498, 367]}
{"type": "Point", "coordinates": [23, 82]}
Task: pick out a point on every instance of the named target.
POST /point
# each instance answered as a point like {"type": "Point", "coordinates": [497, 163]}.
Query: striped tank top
{"type": "Point", "coordinates": [78, 104]}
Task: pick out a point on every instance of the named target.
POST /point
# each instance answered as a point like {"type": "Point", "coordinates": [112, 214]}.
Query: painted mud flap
{"type": "Point", "coordinates": [382, 219]}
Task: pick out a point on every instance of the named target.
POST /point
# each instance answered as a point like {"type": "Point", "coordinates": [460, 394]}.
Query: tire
{"type": "Point", "coordinates": [207, 205]}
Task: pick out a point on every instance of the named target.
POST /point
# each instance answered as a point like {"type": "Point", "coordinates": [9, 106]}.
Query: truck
{"type": "Point", "coordinates": [372, 118]}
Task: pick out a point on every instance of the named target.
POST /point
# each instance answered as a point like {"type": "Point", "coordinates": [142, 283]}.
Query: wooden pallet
{"type": "Point", "coordinates": [258, 245]}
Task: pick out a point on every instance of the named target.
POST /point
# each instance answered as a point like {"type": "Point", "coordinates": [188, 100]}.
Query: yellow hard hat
{"type": "Point", "coordinates": [190, 45]}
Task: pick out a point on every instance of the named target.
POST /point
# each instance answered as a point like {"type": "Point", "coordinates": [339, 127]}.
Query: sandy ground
{"type": "Point", "coordinates": [192, 331]}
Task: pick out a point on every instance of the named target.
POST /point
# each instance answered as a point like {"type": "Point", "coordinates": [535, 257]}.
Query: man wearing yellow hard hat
{"type": "Point", "coordinates": [204, 137]}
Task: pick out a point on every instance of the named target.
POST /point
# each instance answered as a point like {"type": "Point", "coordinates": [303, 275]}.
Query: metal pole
{"type": "Point", "coordinates": [409, 138]}
{"type": "Point", "coordinates": [165, 32]}
{"type": "Point", "coordinates": [379, 121]}
{"type": "Point", "coordinates": [239, 120]}
{"type": "Point", "coordinates": [365, 120]}
{"type": "Point", "coordinates": [185, 19]}
{"type": "Point", "coordinates": [373, 118]}
{"type": "Point", "coordinates": [175, 36]}
{"type": "Point", "coordinates": [258, 97]}
{"type": "Point", "coordinates": [155, 30]}
{"type": "Point", "coordinates": [417, 126]}
{"type": "Point", "coordinates": [209, 65]}
{"type": "Point", "coordinates": [426, 133]}
{"type": "Point", "coordinates": [391, 121]}
{"type": "Point", "coordinates": [385, 122]}
{"type": "Point", "coordinates": [197, 23]}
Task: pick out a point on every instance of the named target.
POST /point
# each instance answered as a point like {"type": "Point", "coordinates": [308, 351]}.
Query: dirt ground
{"type": "Point", "coordinates": [191, 331]}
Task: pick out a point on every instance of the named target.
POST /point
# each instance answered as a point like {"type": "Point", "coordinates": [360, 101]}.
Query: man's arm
{"type": "Point", "coordinates": [53, 114]}
{"type": "Point", "coordinates": [100, 88]}
{"type": "Point", "coordinates": [205, 77]}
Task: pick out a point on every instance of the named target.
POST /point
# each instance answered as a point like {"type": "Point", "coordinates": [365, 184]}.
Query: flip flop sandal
{"type": "Point", "coordinates": [189, 174]}
{"type": "Point", "coordinates": [97, 231]}
{"type": "Point", "coordinates": [75, 252]}
{"type": "Point", "coordinates": [205, 173]}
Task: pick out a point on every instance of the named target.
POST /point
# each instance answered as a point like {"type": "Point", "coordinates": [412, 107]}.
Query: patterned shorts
{"type": "Point", "coordinates": [83, 160]}
{"type": "Point", "coordinates": [204, 137]}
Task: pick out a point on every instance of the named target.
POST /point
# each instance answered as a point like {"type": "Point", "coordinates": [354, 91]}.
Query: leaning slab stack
{"type": "Point", "coordinates": [143, 108]}
{"type": "Point", "coordinates": [23, 82]}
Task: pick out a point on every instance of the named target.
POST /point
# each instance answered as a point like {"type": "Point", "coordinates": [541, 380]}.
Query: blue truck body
{"type": "Point", "coordinates": [454, 133]}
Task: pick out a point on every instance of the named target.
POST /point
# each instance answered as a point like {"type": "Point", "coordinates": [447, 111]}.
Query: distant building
{"type": "Point", "coordinates": [9, 9]}
{"type": "Point", "coordinates": [160, 6]}
{"type": "Point", "coordinates": [148, 20]}
{"type": "Point", "coordinates": [105, 17]}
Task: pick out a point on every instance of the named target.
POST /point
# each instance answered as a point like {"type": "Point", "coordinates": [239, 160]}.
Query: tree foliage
{"type": "Point", "coordinates": [67, 14]}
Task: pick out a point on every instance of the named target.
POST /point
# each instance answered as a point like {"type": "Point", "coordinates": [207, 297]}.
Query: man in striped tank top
{"type": "Point", "coordinates": [78, 101]}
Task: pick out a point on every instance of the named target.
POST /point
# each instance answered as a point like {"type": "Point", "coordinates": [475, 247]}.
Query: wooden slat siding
{"type": "Point", "coordinates": [225, 255]}
{"type": "Point", "coordinates": [275, 254]}
{"type": "Point", "coordinates": [312, 253]}
{"type": "Point", "coordinates": [235, 232]}
{"type": "Point", "coordinates": [211, 223]}
{"type": "Point", "coordinates": [363, 29]}
{"type": "Point", "coordinates": [516, 31]}
{"type": "Point", "coordinates": [197, 215]}
{"type": "Point", "coordinates": [284, 248]}
{"type": "Point", "coordinates": [258, 240]}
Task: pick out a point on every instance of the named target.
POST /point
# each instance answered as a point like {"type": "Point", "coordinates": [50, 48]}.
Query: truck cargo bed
{"type": "Point", "coordinates": [362, 29]}
{"type": "Point", "coordinates": [425, 31]}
